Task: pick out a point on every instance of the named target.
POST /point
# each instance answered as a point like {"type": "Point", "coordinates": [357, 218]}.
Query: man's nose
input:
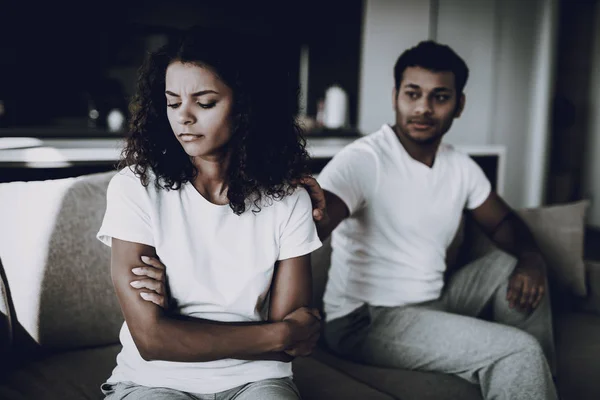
{"type": "Point", "coordinates": [423, 106]}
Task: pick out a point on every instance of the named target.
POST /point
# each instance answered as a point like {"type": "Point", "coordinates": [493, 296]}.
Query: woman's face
{"type": "Point", "coordinates": [198, 108]}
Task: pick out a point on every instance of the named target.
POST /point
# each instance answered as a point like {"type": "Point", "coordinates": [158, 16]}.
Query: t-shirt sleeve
{"type": "Point", "coordinates": [479, 186]}
{"type": "Point", "coordinates": [351, 175]}
{"type": "Point", "coordinates": [299, 235]}
{"type": "Point", "coordinates": [127, 215]}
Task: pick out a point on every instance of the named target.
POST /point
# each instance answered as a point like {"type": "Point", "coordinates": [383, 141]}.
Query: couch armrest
{"type": "Point", "coordinates": [592, 302]}
{"type": "Point", "coordinates": [6, 320]}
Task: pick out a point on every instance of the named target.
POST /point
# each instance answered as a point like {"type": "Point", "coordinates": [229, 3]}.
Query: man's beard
{"type": "Point", "coordinates": [424, 141]}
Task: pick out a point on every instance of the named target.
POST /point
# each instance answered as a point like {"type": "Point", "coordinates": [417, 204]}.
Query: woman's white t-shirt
{"type": "Point", "coordinates": [219, 267]}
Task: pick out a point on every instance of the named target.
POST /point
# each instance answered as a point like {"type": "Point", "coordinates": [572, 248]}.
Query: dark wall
{"type": "Point", "coordinates": [571, 111]}
{"type": "Point", "coordinates": [58, 58]}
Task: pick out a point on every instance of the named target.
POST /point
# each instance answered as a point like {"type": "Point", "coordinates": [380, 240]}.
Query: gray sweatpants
{"type": "Point", "coordinates": [268, 389]}
{"type": "Point", "coordinates": [511, 358]}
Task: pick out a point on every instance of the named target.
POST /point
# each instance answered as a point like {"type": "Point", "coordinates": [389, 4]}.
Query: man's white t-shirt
{"type": "Point", "coordinates": [391, 250]}
{"type": "Point", "coordinates": [219, 267]}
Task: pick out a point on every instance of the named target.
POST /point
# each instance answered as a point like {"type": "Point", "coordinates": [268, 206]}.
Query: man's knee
{"type": "Point", "coordinates": [502, 261]}
{"type": "Point", "coordinates": [521, 342]}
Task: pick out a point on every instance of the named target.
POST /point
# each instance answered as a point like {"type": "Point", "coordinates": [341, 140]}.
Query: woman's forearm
{"type": "Point", "coordinates": [199, 340]}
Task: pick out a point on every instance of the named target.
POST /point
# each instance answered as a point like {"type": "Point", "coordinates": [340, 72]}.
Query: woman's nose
{"type": "Point", "coordinates": [185, 116]}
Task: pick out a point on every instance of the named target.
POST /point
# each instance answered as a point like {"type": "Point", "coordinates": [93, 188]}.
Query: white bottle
{"type": "Point", "coordinates": [336, 108]}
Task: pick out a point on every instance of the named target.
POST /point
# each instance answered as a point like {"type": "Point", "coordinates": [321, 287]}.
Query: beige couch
{"type": "Point", "coordinates": [59, 316]}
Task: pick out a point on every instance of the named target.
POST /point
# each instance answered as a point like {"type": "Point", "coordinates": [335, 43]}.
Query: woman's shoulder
{"type": "Point", "coordinates": [127, 180]}
{"type": "Point", "coordinates": [293, 197]}
{"type": "Point", "coordinates": [296, 198]}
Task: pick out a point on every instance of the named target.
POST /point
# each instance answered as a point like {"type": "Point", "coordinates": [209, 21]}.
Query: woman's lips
{"type": "Point", "coordinates": [190, 137]}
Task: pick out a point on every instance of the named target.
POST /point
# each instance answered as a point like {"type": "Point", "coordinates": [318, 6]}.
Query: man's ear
{"type": "Point", "coordinates": [460, 106]}
{"type": "Point", "coordinates": [394, 98]}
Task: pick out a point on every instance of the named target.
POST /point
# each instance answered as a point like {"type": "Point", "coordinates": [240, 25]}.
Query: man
{"type": "Point", "coordinates": [395, 199]}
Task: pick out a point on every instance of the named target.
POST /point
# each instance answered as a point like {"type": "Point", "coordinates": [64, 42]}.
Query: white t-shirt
{"type": "Point", "coordinates": [219, 266]}
{"type": "Point", "coordinates": [391, 250]}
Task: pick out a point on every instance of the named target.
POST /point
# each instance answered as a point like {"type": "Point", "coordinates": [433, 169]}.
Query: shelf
{"type": "Point", "coordinates": [29, 152]}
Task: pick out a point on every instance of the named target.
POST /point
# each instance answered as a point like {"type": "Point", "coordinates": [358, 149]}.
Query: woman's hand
{"type": "Point", "coordinates": [152, 282]}
{"type": "Point", "coordinates": [304, 329]}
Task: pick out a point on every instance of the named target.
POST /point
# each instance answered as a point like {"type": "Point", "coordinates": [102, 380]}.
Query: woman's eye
{"type": "Point", "coordinates": [174, 105]}
{"type": "Point", "coordinates": [207, 105]}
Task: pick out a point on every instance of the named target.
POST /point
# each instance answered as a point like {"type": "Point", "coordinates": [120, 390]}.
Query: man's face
{"type": "Point", "coordinates": [426, 104]}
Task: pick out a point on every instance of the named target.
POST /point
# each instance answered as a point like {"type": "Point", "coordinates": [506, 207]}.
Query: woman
{"type": "Point", "coordinates": [208, 188]}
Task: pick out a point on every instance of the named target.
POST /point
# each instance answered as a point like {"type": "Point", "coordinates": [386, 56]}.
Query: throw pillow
{"type": "Point", "coordinates": [559, 232]}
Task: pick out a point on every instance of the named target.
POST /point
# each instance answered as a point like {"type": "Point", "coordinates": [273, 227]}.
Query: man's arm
{"type": "Point", "coordinates": [161, 337]}
{"type": "Point", "coordinates": [328, 209]}
{"type": "Point", "coordinates": [511, 234]}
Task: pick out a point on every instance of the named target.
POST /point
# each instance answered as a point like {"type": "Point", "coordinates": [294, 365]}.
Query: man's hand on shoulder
{"type": "Point", "coordinates": [328, 209]}
{"type": "Point", "coordinates": [317, 197]}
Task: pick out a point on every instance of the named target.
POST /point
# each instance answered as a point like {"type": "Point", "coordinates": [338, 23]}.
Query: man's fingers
{"type": "Point", "coordinates": [154, 298]}
{"type": "Point", "coordinates": [150, 284]}
{"type": "Point", "coordinates": [514, 291]}
{"type": "Point", "coordinates": [317, 197]}
{"type": "Point", "coordinates": [540, 296]}
{"type": "Point", "coordinates": [533, 294]}
{"type": "Point", "coordinates": [525, 290]}
{"type": "Point", "coordinates": [153, 261]}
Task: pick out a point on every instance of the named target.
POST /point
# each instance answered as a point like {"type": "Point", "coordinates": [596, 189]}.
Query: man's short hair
{"type": "Point", "coordinates": [434, 57]}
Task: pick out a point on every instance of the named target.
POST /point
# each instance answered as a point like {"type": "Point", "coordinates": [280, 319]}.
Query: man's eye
{"type": "Point", "coordinates": [173, 105]}
{"type": "Point", "coordinates": [412, 95]}
{"type": "Point", "coordinates": [207, 105]}
{"type": "Point", "coordinates": [442, 98]}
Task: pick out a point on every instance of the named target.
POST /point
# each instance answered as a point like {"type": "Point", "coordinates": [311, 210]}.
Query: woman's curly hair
{"type": "Point", "coordinates": [268, 153]}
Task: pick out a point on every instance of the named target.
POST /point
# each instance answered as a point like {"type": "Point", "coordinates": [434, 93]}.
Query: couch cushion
{"type": "Point", "coordinates": [320, 262]}
{"type": "Point", "coordinates": [404, 384]}
{"type": "Point", "coordinates": [578, 355]}
{"type": "Point", "coordinates": [76, 375]}
{"type": "Point", "coordinates": [559, 231]}
{"type": "Point", "coordinates": [58, 272]}
{"type": "Point", "coordinates": [69, 375]}
{"type": "Point", "coordinates": [317, 381]}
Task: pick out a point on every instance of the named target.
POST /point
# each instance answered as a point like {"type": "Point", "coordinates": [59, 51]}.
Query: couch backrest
{"type": "Point", "coordinates": [320, 262]}
{"type": "Point", "coordinates": [57, 271]}
{"type": "Point", "coordinates": [558, 230]}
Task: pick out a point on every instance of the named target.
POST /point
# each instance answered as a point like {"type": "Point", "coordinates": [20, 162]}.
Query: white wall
{"type": "Point", "coordinates": [469, 27]}
{"type": "Point", "coordinates": [511, 123]}
{"type": "Point", "coordinates": [389, 28]}
{"type": "Point", "coordinates": [592, 159]}
{"type": "Point", "coordinates": [507, 46]}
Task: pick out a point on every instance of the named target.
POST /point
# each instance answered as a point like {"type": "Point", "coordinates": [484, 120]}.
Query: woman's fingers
{"type": "Point", "coordinates": [154, 298]}
{"type": "Point", "coordinates": [150, 272]}
{"type": "Point", "coordinates": [150, 284]}
{"type": "Point", "coordinates": [153, 261]}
